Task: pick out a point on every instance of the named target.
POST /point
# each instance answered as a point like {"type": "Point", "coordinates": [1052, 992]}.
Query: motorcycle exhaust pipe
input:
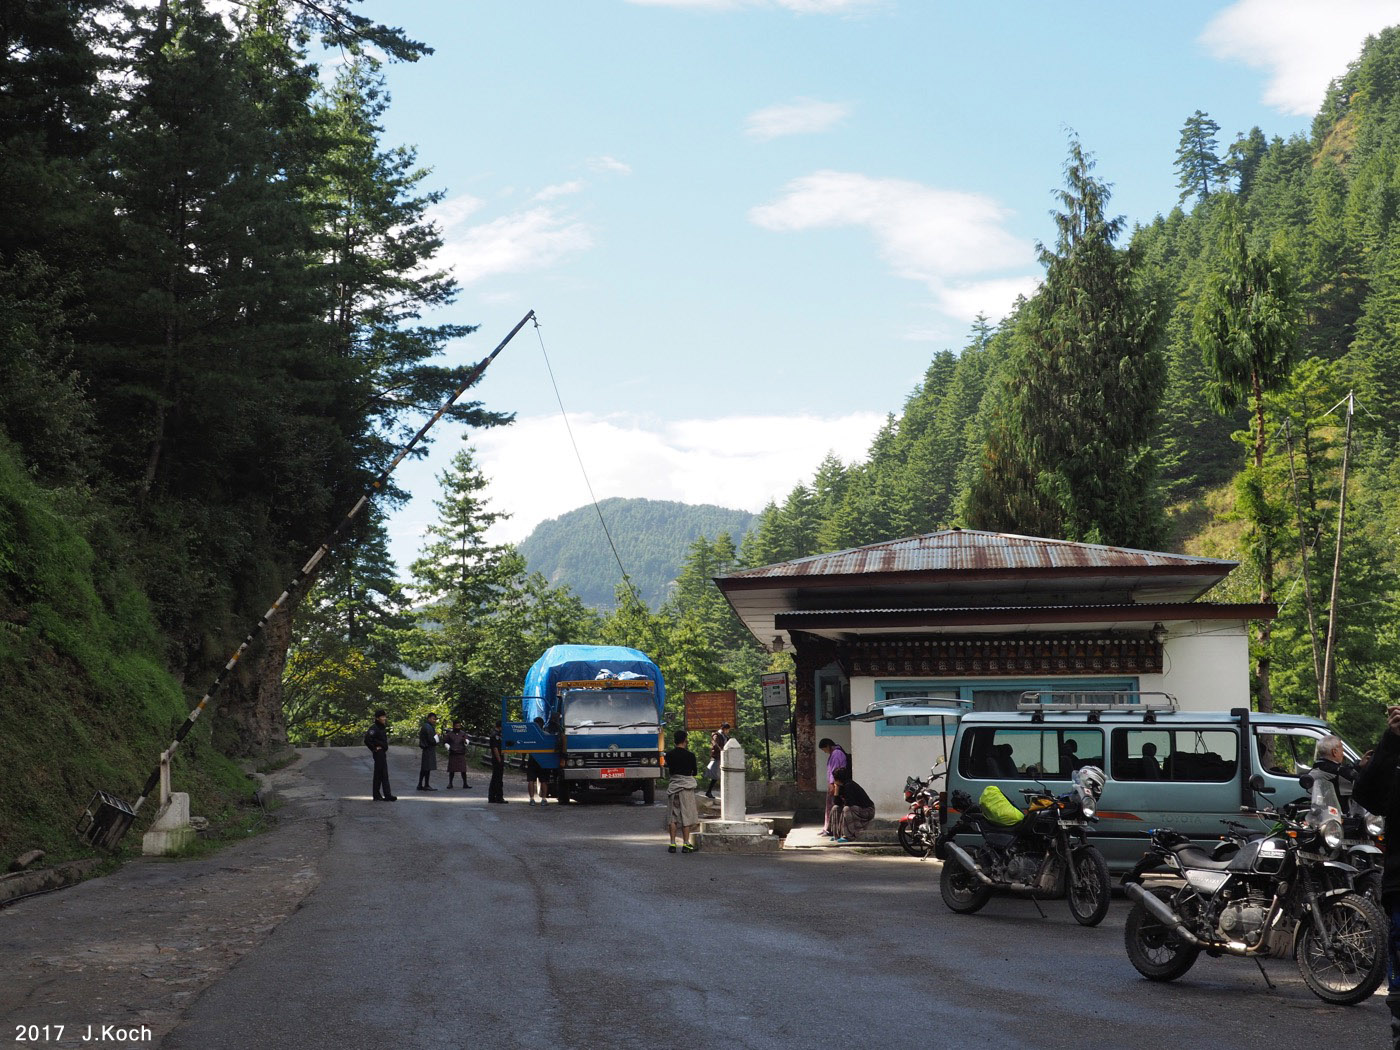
{"type": "Point", "coordinates": [965, 859]}
{"type": "Point", "coordinates": [1162, 913]}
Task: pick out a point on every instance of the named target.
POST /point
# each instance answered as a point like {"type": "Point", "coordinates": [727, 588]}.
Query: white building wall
{"type": "Point", "coordinates": [1205, 665]}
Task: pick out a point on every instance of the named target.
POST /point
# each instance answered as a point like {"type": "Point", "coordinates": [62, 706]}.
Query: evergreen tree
{"type": "Point", "coordinates": [1070, 456]}
{"type": "Point", "coordinates": [1246, 322]}
{"type": "Point", "coordinates": [1197, 158]}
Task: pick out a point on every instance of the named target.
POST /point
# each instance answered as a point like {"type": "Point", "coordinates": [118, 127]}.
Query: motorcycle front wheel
{"type": "Point", "coordinates": [1356, 964]}
{"type": "Point", "coordinates": [1089, 887]}
{"type": "Point", "coordinates": [962, 891]}
{"type": "Point", "coordinates": [1154, 949]}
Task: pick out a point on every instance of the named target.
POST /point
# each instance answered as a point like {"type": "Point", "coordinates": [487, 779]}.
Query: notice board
{"type": "Point", "coordinates": [706, 712]}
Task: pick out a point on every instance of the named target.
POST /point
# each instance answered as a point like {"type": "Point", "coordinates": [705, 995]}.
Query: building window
{"type": "Point", "coordinates": [833, 693]}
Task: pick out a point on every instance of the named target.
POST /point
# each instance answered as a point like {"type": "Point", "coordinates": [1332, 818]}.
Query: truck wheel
{"type": "Point", "coordinates": [579, 790]}
{"type": "Point", "coordinates": [649, 791]}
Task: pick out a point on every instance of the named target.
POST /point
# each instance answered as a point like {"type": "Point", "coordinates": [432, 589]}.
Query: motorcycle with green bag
{"type": "Point", "coordinates": [1042, 852]}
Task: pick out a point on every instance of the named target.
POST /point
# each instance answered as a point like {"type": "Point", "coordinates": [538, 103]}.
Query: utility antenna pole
{"type": "Point", "coordinates": [1329, 659]}
{"type": "Point", "coordinates": [1307, 574]}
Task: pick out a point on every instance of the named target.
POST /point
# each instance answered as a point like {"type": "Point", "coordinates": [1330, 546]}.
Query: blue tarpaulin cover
{"type": "Point", "coordinates": [581, 663]}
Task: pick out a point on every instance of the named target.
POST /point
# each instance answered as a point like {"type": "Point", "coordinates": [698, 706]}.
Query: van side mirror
{"type": "Point", "coordinates": [1257, 785]}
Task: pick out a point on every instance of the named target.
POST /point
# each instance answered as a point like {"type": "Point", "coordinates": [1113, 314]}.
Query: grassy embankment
{"type": "Point", "coordinates": [86, 701]}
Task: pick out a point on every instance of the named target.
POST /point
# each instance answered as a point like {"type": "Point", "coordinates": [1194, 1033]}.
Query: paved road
{"type": "Point", "coordinates": [441, 921]}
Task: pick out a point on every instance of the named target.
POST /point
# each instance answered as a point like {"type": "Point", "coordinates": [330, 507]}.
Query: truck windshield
{"type": "Point", "coordinates": [606, 710]}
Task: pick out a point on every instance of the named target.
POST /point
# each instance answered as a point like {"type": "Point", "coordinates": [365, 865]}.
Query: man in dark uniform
{"type": "Point", "coordinates": [497, 792]}
{"type": "Point", "coordinates": [1378, 789]}
{"type": "Point", "coordinates": [377, 740]}
{"type": "Point", "coordinates": [427, 743]}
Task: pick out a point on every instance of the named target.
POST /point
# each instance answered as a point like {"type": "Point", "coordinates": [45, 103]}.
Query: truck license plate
{"type": "Point", "coordinates": [608, 774]}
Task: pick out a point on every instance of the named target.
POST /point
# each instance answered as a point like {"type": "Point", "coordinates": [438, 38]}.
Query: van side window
{"type": "Point", "coordinates": [998, 753]}
{"type": "Point", "coordinates": [1210, 755]}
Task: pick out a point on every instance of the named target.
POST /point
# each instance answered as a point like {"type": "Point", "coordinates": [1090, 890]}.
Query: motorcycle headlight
{"type": "Point", "coordinates": [1331, 833]}
{"type": "Point", "coordinates": [1375, 825]}
{"type": "Point", "coordinates": [1087, 808]}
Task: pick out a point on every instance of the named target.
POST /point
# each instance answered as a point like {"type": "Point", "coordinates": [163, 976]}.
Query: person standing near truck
{"type": "Point", "coordinates": [456, 741]}
{"type": "Point", "coordinates": [718, 739]}
{"type": "Point", "coordinates": [427, 743]}
{"type": "Point", "coordinates": [496, 792]}
{"type": "Point", "coordinates": [682, 811]}
{"type": "Point", "coordinates": [377, 740]}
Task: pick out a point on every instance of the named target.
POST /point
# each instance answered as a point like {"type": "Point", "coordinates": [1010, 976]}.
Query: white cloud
{"type": "Point", "coordinates": [806, 116]}
{"type": "Point", "coordinates": [803, 7]}
{"type": "Point", "coordinates": [1303, 44]}
{"type": "Point", "coordinates": [562, 189]}
{"type": "Point", "coordinates": [953, 242]}
{"type": "Point", "coordinates": [738, 461]}
{"type": "Point", "coordinates": [531, 239]}
{"type": "Point", "coordinates": [609, 164]}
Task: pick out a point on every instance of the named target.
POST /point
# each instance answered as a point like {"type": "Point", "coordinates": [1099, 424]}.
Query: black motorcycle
{"type": "Point", "coordinates": [1046, 855]}
{"type": "Point", "coordinates": [1281, 894]}
{"type": "Point", "coordinates": [919, 827]}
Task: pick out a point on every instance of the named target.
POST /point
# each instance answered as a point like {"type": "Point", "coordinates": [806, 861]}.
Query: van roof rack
{"type": "Point", "coordinates": [1094, 703]}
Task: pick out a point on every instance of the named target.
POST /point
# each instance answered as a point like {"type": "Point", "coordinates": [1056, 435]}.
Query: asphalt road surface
{"type": "Point", "coordinates": [442, 921]}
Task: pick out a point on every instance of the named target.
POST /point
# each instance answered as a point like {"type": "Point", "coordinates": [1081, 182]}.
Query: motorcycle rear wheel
{"type": "Point", "coordinates": [1154, 949]}
{"type": "Point", "coordinates": [1089, 888]}
{"type": "Point", "coordinates": [916, 839]}
{"type": "Point", "coordinates": [1358, 931]}
{"type": "Point", "coordinates": [961, 890]}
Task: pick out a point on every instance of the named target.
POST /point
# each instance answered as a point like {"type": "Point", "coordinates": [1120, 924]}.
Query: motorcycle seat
{"type": "Point", "coordinates": [1192, 856]}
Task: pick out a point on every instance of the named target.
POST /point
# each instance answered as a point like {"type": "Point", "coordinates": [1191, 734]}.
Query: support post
{"type": "Point", "coordinates": [731, 781]}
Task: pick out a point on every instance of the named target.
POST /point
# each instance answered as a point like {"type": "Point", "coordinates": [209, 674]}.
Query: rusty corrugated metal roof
{"type": "Point", "coordinates": [969, 550]}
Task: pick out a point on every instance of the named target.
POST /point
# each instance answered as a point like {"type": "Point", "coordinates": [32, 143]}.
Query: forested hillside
{"type": "Point", "coordinates": [211, 273]}
{"type": "Point", "coordinates": [1185, 384]}
{"type": "Point", "coordinates": [651, 536]}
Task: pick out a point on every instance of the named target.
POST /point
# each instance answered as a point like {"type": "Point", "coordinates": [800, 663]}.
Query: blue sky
{"type": "Point", "coordinates": [747, 225]}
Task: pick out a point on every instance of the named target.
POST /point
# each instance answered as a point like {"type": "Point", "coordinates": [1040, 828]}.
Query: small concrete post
{"type": "Point", "coordinates": [731, 781]}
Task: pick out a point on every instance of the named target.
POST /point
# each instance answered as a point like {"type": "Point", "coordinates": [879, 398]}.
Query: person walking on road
{"type": "Point", "coordinates": [456, 741]}
{"type": "Point", "coordinates": [718, 739]}
{"type": "Point", "coordinates": [851, 807]}
{"type": "Point", "coordinates": [496, 792]}
{"type": "Point", "coordinates": [682, 811]}
{"type": "Point", "coordinates": [427, 743]}
{"type": "Point", "coordinates": [377, 740]}
{"type": "Point", "coordinates": [835, 759]}
{"type": "Point", "coordinates": [1378, 789]}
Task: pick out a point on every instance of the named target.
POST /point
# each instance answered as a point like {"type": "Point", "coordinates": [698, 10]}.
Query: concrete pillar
{"type": "Point", "coordinates": [731, 781]}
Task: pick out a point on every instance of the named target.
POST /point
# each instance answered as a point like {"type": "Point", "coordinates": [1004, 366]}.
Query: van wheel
{"type": "Point", "coordinates": [1154, 949]}
{"type": "Point", "coordinates": [961, 890]}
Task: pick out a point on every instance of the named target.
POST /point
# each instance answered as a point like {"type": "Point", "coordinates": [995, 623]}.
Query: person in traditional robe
{"type": "Point", "coordinates": [456, 740]}
{"type": "Point", "coordinates": [427, 743]}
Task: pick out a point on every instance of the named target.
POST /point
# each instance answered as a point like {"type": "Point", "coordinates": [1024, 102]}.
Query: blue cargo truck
{"type": "Point", "coordinates": [591, 716]}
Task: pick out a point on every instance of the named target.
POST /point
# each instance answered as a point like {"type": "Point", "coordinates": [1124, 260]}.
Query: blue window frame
{"type": "Point", "coordinates": [985, 694]}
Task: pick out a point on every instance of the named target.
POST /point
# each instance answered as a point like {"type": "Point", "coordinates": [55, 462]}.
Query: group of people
{"type": "Point", "coordinates": [456, 739]}
{"type": "Point", "coordinates": [848, 807]}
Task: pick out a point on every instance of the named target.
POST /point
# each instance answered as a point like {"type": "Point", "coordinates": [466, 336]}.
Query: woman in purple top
{"type": "Point", "coordinates": [835, 759]}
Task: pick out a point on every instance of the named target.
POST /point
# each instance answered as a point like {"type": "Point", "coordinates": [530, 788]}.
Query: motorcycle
{"type": "Point", "coordinates": [919, 827]}
{"type": "Point", "coordinates": [1363, 847]}
{"type": "Point", "coordinates": [1282, 894]}
{"type": "Point", "coordinates": [1046, 855]}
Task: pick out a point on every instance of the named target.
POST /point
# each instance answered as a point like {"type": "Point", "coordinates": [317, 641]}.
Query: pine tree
{"type": "Point", "coordinates": [1246, 322]}
{"type": "Point", "coordinates": [1197, 157]}
{"type": "Point", "coordinates": [1069, 456]}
